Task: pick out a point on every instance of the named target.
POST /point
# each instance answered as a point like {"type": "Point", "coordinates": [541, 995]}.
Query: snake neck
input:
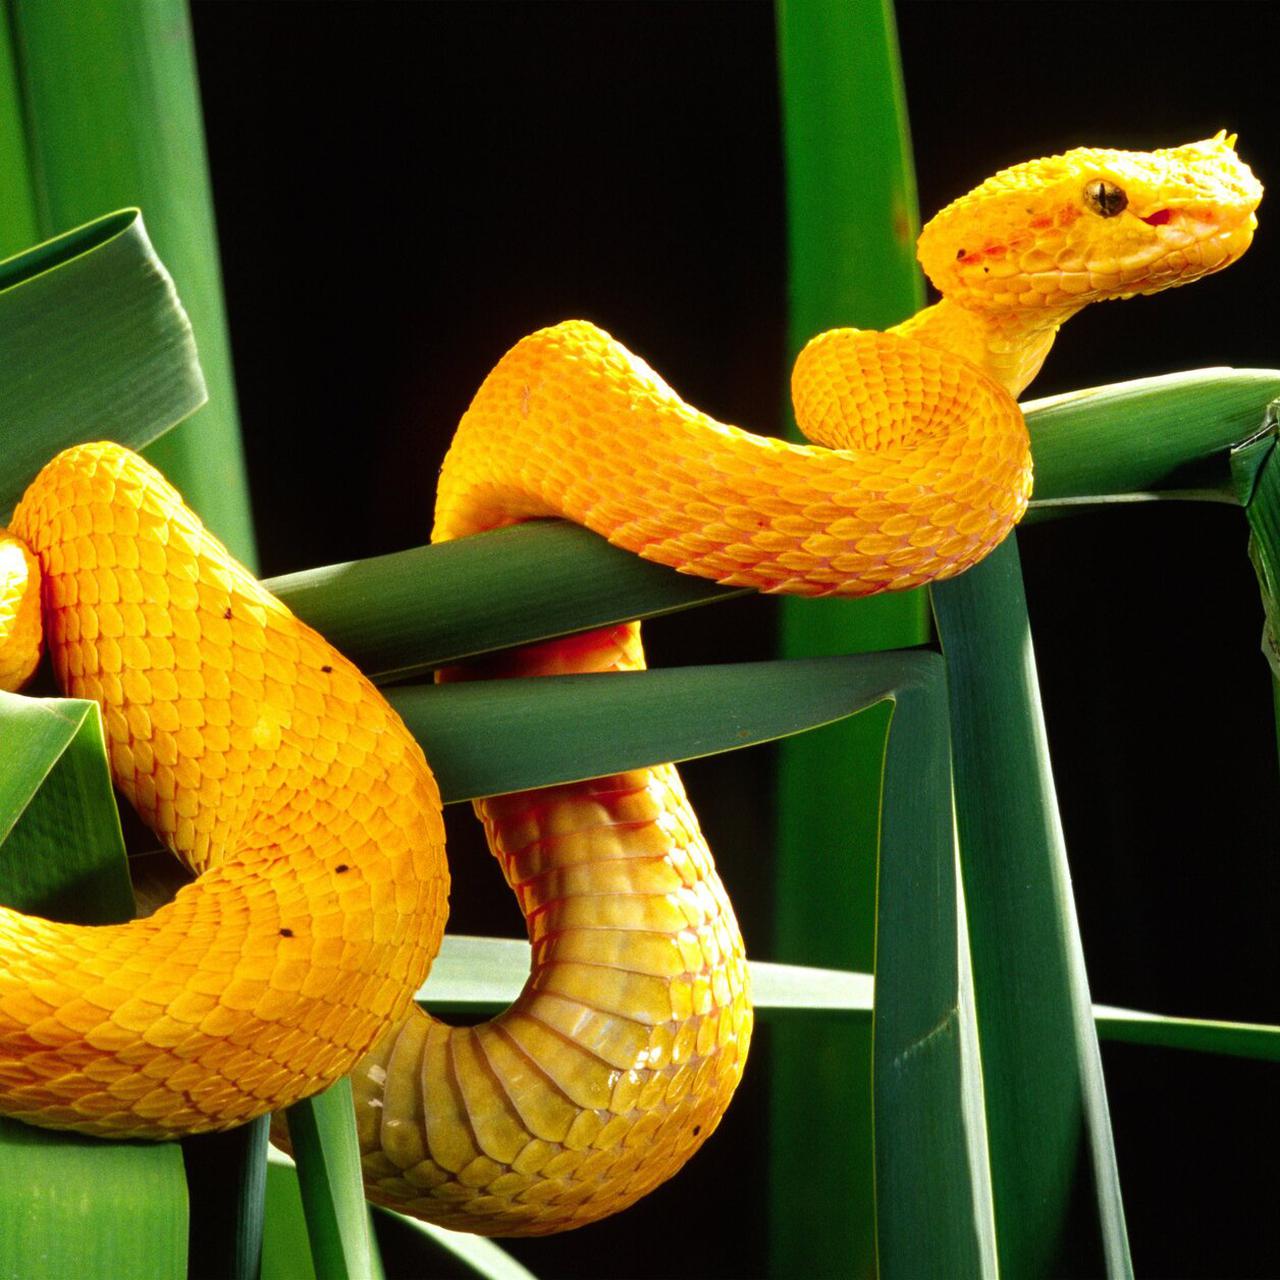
{"type": "Point", "coordinates": [1009, 346]}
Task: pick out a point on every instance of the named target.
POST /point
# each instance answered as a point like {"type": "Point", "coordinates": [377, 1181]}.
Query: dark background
{"type": "Point", "coordinates": [405, 189]}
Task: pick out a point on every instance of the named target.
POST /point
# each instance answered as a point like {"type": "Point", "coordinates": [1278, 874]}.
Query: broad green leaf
{"type": "Point", "coordinates": [94, 345]}
{"type": "Point", "coordinates": [35, 733]}
{"type": "Point", "coordinates": [930, 1126]}
{"type": "Point", "coordinates": [112, 112]}
{"type": "Point", "coordinates": [92, 1210]}
{"type": "Point", "coordinates": [1256, 475]}
{"type": "Point", "coordinates": [779, 989]}
{"type": "Point", "coordinates": [481, 975]}
{"type": "Point", "coordinates": [476, 974]}
{"type": "Point", "coordinates": [1046, 1102]}
{"type": "Point", "coordinates": [18, 226]}
{"type": "Point", "coordinates": [852, 220]}
{"type": "Point", "coordinates": [322, 1132]}
{"type": "Point", "coordinates": [491, 737]}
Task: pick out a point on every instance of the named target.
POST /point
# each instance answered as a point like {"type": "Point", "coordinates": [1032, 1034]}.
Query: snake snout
{"type": "Point", "coordinates": [1093, 224]}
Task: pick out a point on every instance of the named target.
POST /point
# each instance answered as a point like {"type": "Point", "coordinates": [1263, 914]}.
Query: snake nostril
{"type": "Point", "coordinates": [1159, 218]}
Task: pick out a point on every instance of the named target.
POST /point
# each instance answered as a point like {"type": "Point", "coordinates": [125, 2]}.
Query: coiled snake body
{"type": "Point", "coordinates": [276, 772]}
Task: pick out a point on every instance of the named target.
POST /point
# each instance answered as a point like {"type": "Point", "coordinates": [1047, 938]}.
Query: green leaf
{"type": "Point", "coordinates": [18, 226]}
{"type": "Point", "coordinates": [1256, 474]}
{"type": "Point", "coordinates": [423, 1243]}
{"type": "Point", "coordinates": [1168, 437]}
{"type": "Point", "coordinates": [92, 1210]}
{"type": "Point", "coordinates": [1046, 1102]}
{"type": "Point", "coordinates": [112, 110]}
{"type": "Point", "coordinates": [226, 1181]}
{"type": "Point", "coordinates": [852, 220]}
{"type": "Point", "coordinates": [401, 614]}
{"type": "Point", "coordinates": [286, 1247]}
{"type": "Point", "coordinates": [480, 975]}
{"type": "Point", "coordinates": [96, 345]}
{"type": "Point", "coordinates": [491, 737]}
{"type": "Point", "coordinates": [476, 974]}
{"type": "Point", "coordinates": [1238, 1039]}
{"type": "Point", "coordinates": [322, 1132]}
{"type": "Point", "coordinates": [930, 1125]}
{"type": "Point", "coordinates": [36, 733]}
{"type": "Point", "coordinates": [61, 850]}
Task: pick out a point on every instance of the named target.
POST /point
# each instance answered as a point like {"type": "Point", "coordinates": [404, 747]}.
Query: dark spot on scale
{"type": "Point", "coordinates": [959, 254]}
{"type": "Point", "coordinates": [341, 867]}
{"type": "Point", "coordinates": [326, 669]}
{"type": "Point", "coordinates": [697, 1129]}
{"type": "Point", "coordinates": [226, 613]}
{"type": "Point", "coordinates": [286, 933]}
{"type": "Point", "coordinates": [986, 271]}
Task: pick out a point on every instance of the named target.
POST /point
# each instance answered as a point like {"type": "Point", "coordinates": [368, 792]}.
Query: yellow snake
{"type": "Point", "coordinates": [278, 774]}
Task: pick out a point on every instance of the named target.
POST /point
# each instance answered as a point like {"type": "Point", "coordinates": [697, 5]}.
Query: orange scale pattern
{"type": "Point", "coordinates": [623, 1050]}
{"type": "Point", "coordinates": [239, 735]}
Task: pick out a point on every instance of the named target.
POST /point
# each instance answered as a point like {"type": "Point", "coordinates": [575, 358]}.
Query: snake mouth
{"type": "Point", "coordinates": [1203, 248]}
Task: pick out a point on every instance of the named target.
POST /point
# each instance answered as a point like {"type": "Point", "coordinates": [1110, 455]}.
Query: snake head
{"type": "Point", "coordinates": [1092, 225]}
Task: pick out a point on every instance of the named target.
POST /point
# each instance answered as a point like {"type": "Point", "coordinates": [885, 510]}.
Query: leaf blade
{"type": "Point", "coordinates": [492, 737]}
{"type": "Point", "coordinates": [1039, 1048]}
{"type": "Point", "coordinates": [322, 1132]}
{"type": "Point", "coordinates": [62, 854]}
{"type": "Point", "coordinates": [96, 345]}
{"type": "Point", "coordinates": [113, 116]}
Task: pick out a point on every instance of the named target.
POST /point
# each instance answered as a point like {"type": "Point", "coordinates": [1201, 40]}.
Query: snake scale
{"type": "Point", "coordinates": [276, 772]}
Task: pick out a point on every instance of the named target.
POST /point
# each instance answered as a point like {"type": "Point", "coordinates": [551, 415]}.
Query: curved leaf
{"type": "Point", "coordinates": [94, 344]}
{"type": "Point", "coordinates": [61, 849]}
{"type": "Point", "coordinates": [494, 736]}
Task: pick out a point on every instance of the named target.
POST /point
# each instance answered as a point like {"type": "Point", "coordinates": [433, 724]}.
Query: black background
{"type": "Point", "coordinates": [404, 190]}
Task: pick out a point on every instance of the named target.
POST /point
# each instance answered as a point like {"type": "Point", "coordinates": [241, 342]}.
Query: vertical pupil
{"type": "Point", "coordinates": [1106, 198]}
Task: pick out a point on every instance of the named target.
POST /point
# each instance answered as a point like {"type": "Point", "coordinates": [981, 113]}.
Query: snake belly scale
{"type": "Point", "coordinates": [277, 773]}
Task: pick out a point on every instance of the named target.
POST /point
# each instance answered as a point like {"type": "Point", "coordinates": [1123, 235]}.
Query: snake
{"type": "Point", "coordinates": [309, 817]}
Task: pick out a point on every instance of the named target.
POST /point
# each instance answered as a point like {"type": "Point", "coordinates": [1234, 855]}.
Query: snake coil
{"type": "Point", "coordinates": [278, 774]}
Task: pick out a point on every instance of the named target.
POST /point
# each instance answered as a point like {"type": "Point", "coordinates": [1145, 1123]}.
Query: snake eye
{"type": "Point", "coordinates": [1104, 198]}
